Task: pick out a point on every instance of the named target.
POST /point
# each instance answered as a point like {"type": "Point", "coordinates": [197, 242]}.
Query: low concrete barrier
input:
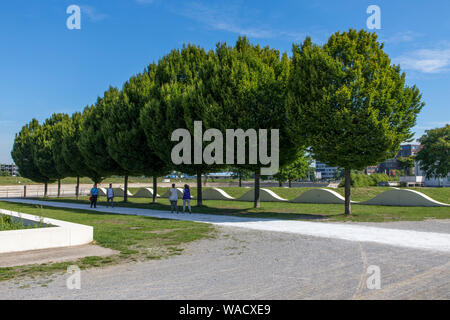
{"type": "Point", "coordinates": [179, 191]}
{"type": "Point", "coordinates": [265, 195]}
{"type": "Point", "coordinates": [405, 198]}
{"type": "Point", "coordinates": [58, 234]}
{"type": "Point", "coordinates": [145, 193]}
{"type": "Point", "coordinates": [120, 192]}
{"type": "Point", "coordinates": [320, 196]}
{"type": "Point", "coordinates": [216, 194]}
{"type": "Point", "coordinates": [102, 192]}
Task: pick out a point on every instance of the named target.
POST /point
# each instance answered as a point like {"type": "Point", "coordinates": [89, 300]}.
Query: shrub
{"type": "Point", "coordinates": [364, 180]}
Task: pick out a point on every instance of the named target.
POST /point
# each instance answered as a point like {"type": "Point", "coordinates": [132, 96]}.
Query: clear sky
{"type": "Point", "coordinates": [47, 68]}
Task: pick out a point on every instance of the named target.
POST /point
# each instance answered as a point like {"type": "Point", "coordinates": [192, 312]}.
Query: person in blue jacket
{"type": "Point", "coordinates": [94, 196]}
{"type": "Point", "coordinates": [187, 198]}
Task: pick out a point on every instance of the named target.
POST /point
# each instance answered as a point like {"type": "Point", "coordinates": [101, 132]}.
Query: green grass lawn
{"type": "Point", "coordinates": [136, 238]}
{"type": "Point", "coordinates": [301, 211]}
{"type": "Point", "coordinates": [140, 238]}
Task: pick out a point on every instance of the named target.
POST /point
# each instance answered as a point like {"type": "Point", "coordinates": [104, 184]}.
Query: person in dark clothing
{"type": "Point", "coordinates": [94, 196]}
{"type": "Point", "coordinates": [187, 198]}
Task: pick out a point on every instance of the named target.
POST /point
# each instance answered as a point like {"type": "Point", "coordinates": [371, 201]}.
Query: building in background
{"type": "Point", "coordinates": [325, 171]}
{"type": "Point", "coordinates": [10, 168]}
{"type": "Point", "coordinates": [391, 166]}
{"type": "Point", "coordinates": [431, 182]}
{"type": "Point", "coordinates": [371, 169]}
{"type": "Point", "coordinates": [408, 150]}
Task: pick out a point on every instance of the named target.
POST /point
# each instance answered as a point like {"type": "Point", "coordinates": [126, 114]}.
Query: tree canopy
{"type": "Point", "coordinates": [349, 103]}
{"type": "Point", "coordinates": [71, 152]}
{"type": "Point", "coordinates": [168, 108]}
{"type": "Point", "coordinates": [344, 102]}
{"type": "Point", "coordinates": [434, 157]}
{"type": "Point", "coordinates": [299, 169]}
{"type": "Point", "coordinates": [92, 143]}
{"type": "Point", "coordinates": [245, 87]}
{"type": "Point", "coordinates": [45, 147]}
{"type": "Point", "coordinates": [23, 153]}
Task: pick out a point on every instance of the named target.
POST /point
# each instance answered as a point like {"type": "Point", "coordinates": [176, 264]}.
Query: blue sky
{"type": "Point", "coordinates": [47, 68]}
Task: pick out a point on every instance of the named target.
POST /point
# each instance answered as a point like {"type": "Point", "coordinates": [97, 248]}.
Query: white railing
{"type": "Point", "coordinates": [38, 192]}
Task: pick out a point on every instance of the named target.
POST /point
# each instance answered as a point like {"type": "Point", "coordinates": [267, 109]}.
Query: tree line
{"type": "Point", "coordinates": [343, 103]}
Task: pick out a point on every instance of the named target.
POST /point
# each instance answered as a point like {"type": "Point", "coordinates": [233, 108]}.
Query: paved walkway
{"type": "Point", "coordinates": [344, 231]}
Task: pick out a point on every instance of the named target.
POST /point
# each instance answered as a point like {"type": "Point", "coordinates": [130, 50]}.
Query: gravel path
{"type": "Point", "coordinates": [249, 264]}
{"type": "Point", "coordinates": [288, 263]}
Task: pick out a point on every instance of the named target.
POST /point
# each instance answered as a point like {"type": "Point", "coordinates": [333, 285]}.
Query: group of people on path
{"type": "Point", "coordinates": [109, 196]}
{"type": "Point", "coordinates": [173, 197]}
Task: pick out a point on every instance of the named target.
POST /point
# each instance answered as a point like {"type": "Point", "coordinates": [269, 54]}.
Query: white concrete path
{"type": "Point", "coordinates": [352, 232]}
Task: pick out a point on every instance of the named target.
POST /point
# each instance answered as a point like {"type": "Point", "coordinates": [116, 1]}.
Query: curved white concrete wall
{"type": "Point", "coordinates": [404, 197]}
{"type": "Point", "coordinates": [120, 192]}
{"type": "Point", "coordinates": [320, 196]}
{"type": "Point", "coordinates": [145, 193]}
{"type": "Point", "coordinates": [216, 194]}
{"type": "Point", "coordinates": [61, 234]}
{"type": "Point", "coordinates": [179, 191]}
{"type": "Point", "coordinates": [265, 195]}
{"type": "Point", "coordinates": [102, 192]}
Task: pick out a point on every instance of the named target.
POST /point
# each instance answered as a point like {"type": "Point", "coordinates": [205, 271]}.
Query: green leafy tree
{"type": "Point", "coordinates": [23, 154]}
{"type": "Point", "coordinates": [44, 149]}
{"type": "Point", "coordinates": [71, 131]}
{"type": "Point", "coordinates": [244, 88]}
{"type": "Point", "coordinates": [125, 138]}
{"type": "Point", "coordinates": [61, 165]}
{"type": "Point", "coordinates": [5, 173]}
{"type": "Point", "coordinates": [406, 164]}
{"type": "Point", "coordinates": [434, 157]}
{"type": "Point", "coordinates": [241, 174]}
{"type": "Point", "coordinates": [349, 103]}
{"type": "Point", "coordinates": [92, 144]}
{"type": "Point", "coordinates": [296, 170]}
{"type": "Point", "coordinates": [170, 107]}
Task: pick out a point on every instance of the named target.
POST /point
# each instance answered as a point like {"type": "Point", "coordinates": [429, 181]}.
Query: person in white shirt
{"type": "Point", "coordinates": [110, 196]}
{"type": "Point", "coordinates": [173, 198]}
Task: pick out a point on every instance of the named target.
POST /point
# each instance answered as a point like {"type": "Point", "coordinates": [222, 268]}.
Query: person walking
{"type": "Point", "coordinates": [110, 196]}
{"type": "Point", "coordinates": [94, 196]}
{"type": "Point", "coordinates": [187, 198]}
{"type": "Point", "coordinates": [173, 198]}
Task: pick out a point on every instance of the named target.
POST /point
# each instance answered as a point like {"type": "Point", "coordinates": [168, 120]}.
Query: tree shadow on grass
{"type": "Point", "coordinates": [243, 209]}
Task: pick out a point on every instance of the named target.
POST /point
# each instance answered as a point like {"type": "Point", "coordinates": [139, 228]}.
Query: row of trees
{"type": "Point", "coordinates": [343, 103]}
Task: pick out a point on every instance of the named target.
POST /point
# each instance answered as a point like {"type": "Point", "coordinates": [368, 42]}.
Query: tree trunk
{"type": "Point", "coordinates": [24, 191]}
{"type": "Point", "coordinates": [199, 189]}
{"type": "Point", "coordinates": [240, 180]}
{"type": "Point", "coordinates": [155, 190]}
{"type": "Point", "coordinates": [348, 210]}
{"type": "Point", "coordinates": [125, 190]}
{"type": "Point", "coordinates": [59, 188]}
{"type": "Point", "coordinates": [280, 183]}
{"type": "Point", "coordinates": [77, 188]}
{"type": "Point", "coordinates": [290, 183]}
{"type": "Point", "coordinates": [45, 190]}
{"type": "Point", "coordinates": [257, 203]}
